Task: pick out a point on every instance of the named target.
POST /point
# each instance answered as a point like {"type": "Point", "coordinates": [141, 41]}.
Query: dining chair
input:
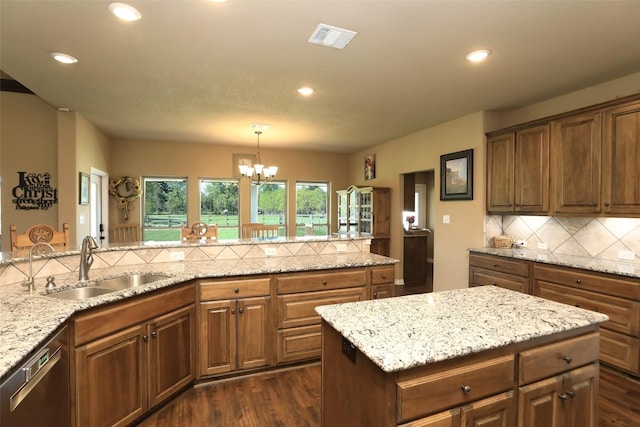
{"type": "Point", "coordinates": [39, 233]}
{"type": "Point", "coordinates": [199, 230]}
{"type": "Point", "coordinates": [250, 229]}
{"type": "Point", "coordinates": [125, 232]}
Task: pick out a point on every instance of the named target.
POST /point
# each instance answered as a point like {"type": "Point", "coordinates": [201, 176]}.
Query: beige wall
{"type": "Point", "coordinates": [195, 161]}
{"type": "Point", "coordinates": [422, 151]}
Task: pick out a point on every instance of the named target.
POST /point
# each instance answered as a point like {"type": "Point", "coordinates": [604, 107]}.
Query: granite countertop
{"type": "Point", "coordinates": [620, 267]}
{"type": "Point", "coordinates": [26, 320]}
{"type": "Point", "coordinates": [415, 330]}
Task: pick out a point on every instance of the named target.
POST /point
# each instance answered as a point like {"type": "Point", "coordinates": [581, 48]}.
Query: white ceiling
{"type": "Point", "coordinates": [199, 71]}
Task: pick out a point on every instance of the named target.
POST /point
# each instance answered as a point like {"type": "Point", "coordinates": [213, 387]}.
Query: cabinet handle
{"type": "Point", "coordinates": [563, 396]}
{"type": "Point", "coordinates": [233, 311]}
{"type": "Point", "coordinates": [241, 310]}
{"type": "Point", "coordinates": [375, 295]}
{"type": "Point", "coordinates": [324, 282]}
{"type": "Point", "coordinates": [571, 394]}
{"type": "Point", "coordinates": [578, 281]}
{"type": "Point", "coordinates": [577, 305]}
{"type": "Point", "coordinates": [154, 334]}
{"type": "Point", "coordinates": [606, 204]}
{"type": "Point", "coordinates": [495, 265]}
{"type": "Point", "coordinates": [567, 359]}
{"type": "Point", "coordinates": [236, 290]}
{"type": "Point", "coordinates": [384, 276]}
{"type": "Point", "coordinates": [465, 388]}
{"type": "Point", "coordinates": [145, 337]}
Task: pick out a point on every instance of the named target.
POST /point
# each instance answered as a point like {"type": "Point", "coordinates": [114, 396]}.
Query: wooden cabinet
{"type": "Point", "coordinates": [298, 325]}
{"type": "Point", "coordinates": [131, 356]}
{"type": "Point", "coordinates": [234, 325]}
{"type": "Point", "coordinates": [499, 271]}
{"type": "Point", "coordinates": [415, 258]}
{"type": "Point", "coordinates": [366, 211]}
{"type": "Point", "coordinates": [621, 160]}
{"type": "Point", "coordinates": [564, 400]}
{"type": "Point", "coordinates": [518, 171]}
{"type": "Point", "coordinates": [576, 158]}
{"type": "Point", "coordinates": [382, 281]}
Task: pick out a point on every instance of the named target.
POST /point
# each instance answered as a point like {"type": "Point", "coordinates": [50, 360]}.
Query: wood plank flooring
{"type": "Point", "coordinates": [283, 398]}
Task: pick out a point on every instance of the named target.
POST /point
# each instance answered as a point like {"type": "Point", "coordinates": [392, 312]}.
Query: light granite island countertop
{"type": "Point", "coordinates": [461, 357]}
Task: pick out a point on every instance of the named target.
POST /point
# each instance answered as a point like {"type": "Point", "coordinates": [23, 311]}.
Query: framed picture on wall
{"type": "Point", "coordinates": [456, 176]}
{"type": "Point", "coordinates": [369, 166]}
{"type": "Point", "coordinates": [84, 189]}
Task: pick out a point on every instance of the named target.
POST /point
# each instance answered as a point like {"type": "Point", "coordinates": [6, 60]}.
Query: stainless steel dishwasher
{"type": "Point", "coordinates": [37, 394]}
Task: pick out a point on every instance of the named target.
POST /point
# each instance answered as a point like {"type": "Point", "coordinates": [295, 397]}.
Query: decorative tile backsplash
{"type": "Point", "coordinates": [600, 237]}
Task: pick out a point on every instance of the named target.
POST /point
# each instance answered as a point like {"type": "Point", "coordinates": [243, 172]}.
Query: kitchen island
{"type": "Point", "coordinates": [458, 358]}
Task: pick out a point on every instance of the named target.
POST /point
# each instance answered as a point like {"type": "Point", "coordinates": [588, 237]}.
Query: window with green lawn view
{"type": "Point", "coordinates": [268, 205]}
{"type": "Point", "coordinates": [164, 208]}
{"type": "Point", "coordinates": [219, 205]}
{"type": "Point", "coordinates": [312, 205]}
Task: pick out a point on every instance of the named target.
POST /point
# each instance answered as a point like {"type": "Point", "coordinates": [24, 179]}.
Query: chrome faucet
{"type": "Point", "coordinates": [29, 281]}
{"type": "Point", "coordinates": [86, 257]}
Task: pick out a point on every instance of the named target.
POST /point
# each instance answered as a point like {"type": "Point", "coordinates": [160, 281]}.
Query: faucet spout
{"type": "Point", "coordinates": [86, 257]}
{"type": "Point", "coordinates": [29, 281]}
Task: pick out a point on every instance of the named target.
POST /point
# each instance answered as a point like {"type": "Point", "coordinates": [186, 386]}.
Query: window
{"type": "Point", "coordinates": [164, 208]}
{"type": "Point", "coordinates": [269, 204]}
{"type": "Point", "coordinates": [312, 202]}
{"type": "Point", "coordinates": [219, 205]}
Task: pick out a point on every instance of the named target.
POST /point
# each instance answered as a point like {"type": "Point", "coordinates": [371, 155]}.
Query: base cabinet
{"type": "Point", "coordinates": [121, 375]}
{"type": "Point", "coordinates": [234, 332]}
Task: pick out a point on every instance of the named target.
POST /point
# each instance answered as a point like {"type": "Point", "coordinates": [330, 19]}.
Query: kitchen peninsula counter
{"type": "Point", "coordinates": [395, 342]}
{"type": "Point", "coordinates": [26, 320]}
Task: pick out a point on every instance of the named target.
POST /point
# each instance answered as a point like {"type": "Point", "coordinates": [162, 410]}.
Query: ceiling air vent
{"type": "Point", "coordinates": [330, 36]}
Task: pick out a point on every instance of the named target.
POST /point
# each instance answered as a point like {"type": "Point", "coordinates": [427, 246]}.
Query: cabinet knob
{"type": "Point", "coordinates": [384, 276]}
{"type": "Point", "coordinates": [495, 265]}
{"type": "Point", "coordinates": [324, 282]}
{"type": "Point", "coordinates": [465, 388]}
{"type": "Point", "coordinates": [375, 295]}
{"type": "Point", "coordinates": [567, 359]}
{"type": "Point", "coordinates": [233, 311]}
{"type": "Point", "coordinates": [606, 204]}
{"type": "Point", "coordinates": [154, 334]}
{"type": "Point", "coordinates": [578, 281]}
{"type": "Point", "coordinates": [563, 396]}
{"type": "Point", "coordinates": [571, 394]}
{"type": "Point", "coordinates": [236, 290]}
{"type": "Point", "coordinates": [145, 337]}
{"type": "Point", "coordinates": [241, 310]}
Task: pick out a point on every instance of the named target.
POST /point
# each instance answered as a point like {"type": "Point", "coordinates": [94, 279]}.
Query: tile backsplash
{"type": "Point", "coordinates": [599, 237]}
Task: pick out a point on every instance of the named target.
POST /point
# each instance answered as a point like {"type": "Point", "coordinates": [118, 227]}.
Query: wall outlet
{"type": "Point", "coordinates": [176, 255]}
{"type": "Point", "coordinates": [628, 255]}
{"type": "Point", "coordinates": [341, 247]}
{"type": "Point", "coordinates": [521, 243]}
{"type": "Point", "coordinates": [270, 251]}
{"type": "Point", "coordinates": [543, 246]}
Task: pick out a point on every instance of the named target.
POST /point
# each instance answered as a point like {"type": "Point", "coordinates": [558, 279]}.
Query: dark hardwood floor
{"type": "Point", "coordinates": [418, 288]}
{"type": "Point", "coordinates": [282, 398]}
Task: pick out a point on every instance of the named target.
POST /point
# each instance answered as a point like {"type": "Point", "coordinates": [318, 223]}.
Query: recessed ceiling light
{"type": "Point", "coordinates": [305, 91]}
{"type": "Point", "coordinates": [64, 58]}
{"type": "Point", "coordinates": [477, 55]}
{"type": "Point", "coordinates": [125, 12]}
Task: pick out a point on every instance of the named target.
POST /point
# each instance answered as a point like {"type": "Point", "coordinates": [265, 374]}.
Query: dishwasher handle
{"type": "Point", "coordinates": [30, 384]}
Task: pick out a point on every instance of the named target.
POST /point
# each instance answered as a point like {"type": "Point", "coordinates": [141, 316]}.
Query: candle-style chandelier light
{"type": "Point", "coordinates": [258, 173]}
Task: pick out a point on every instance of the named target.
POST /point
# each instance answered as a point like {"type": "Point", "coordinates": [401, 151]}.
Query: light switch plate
{"type": "Point", "coordinates": [446, 219]}
{"type": "Point", "coordinates": [176, 255]}
{"type": "Point", "coordinates": [341, 247]}
{"type": "Point", "coordinates": [269, 251]}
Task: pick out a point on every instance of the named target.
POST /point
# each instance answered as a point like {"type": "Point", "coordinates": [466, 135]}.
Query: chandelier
{"type": "Point", "coordinates": [258, 173]}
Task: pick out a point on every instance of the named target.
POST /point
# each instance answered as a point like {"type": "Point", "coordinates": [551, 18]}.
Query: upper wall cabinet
{"type": "Point", "coordinates": [588, 161]}
{"type": "Point", "coordinates": [621, 160]}
{"type": "Point", "coordinates": [518, 171]}
{"type": "Point", "coordinates": [575, 177]}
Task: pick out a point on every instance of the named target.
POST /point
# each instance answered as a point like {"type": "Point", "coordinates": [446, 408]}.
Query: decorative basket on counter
{"type": "Point", "coordinates": [502, 242]}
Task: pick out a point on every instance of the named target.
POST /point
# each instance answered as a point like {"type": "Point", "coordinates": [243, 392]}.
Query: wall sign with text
{"type": "Point", "coordinates": [34, 191]}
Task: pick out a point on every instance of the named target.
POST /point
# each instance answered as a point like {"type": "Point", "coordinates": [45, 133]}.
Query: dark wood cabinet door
{"type": "Point", "coordinates": [531, 170]}
{"type": "Point", "coordinates": [500, 190]}
{"type": "Point", "coordinates": [498, 410]}
{"type": "Point", "coordinates": [576, 159]}
{"type": "Point", "coordinates": [171, 355]}
{"type": "Point", "coordinates": [621, 160]}
{"type": "Point", "coordinates": [111, 379]}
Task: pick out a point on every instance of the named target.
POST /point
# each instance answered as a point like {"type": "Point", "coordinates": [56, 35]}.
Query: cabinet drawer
{"type": "Point", "coordinates": [624, 314]}
{"type": "Point", "coordinates": [299, 309]}
{"type": "Point", "coordinates": [620, 350]}
{"type": "Point", "coordinates": [552, 359]}
{"type": "Point", "coordinates": [296, 344]}
{"type": "Point", "coordinates": [601, 283]}
{"type": "Point", "coordinates": [287, 284]}
{"type": "Point", "coordinates": [97, 323]}
{"type": "Point", "coordinates": [482, 277]}
{"type": "Point", "coordinates": [500, 264]}
{"type": "Point", "coordinates": [432, 393]}
{"type": "Point", "coordinates": [238, 288]}
{"type": "Point", "coordinates": [382, 275]}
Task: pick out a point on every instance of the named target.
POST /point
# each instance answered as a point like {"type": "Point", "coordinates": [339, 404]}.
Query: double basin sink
{"type": "Point", "coordinates": [106, 286]}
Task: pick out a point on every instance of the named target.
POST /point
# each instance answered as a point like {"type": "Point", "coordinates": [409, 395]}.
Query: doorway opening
{"type": "Point", "coordinates": [418, 220]}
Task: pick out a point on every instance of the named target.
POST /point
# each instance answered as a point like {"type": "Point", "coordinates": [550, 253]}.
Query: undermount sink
{"type": "Point", "coordinates": [106, 286]}
{"type": "Point", "coordinates": [80, 293]}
